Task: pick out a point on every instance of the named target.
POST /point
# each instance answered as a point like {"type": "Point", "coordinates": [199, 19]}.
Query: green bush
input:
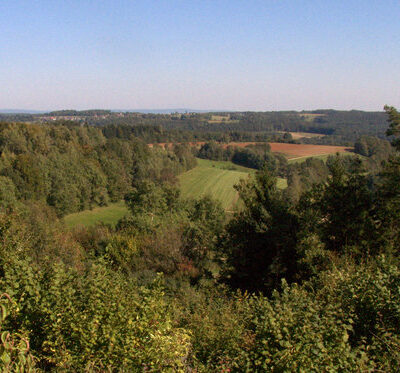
{"type": "Point", "coordinates": [15, 353]}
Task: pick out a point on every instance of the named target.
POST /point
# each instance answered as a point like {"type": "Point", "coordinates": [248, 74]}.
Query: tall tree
{"type": "Point", "coordinates": [261, 239]}
{"type": "Point", "coordinates": [394, 124]}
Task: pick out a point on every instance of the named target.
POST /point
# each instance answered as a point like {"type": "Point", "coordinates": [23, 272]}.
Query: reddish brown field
{"type": "Point", "coordinates": [296, 150]}
{"type": "Point", "coordinates": [290, 150]}
{"type": "Point", "coordinates": [303, 150]}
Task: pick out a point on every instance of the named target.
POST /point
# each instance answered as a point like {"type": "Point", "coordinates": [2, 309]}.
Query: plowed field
{"type": "Point", "coordinates": [289, 150]}
{"type": "Point", "coordinates": [303, 150]}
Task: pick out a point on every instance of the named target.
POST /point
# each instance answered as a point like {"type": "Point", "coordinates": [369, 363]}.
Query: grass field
{"type": "Point", "coordinates": [322, 157]}
{"type": "Point", "coordinates": [303, 150]}
{"type": "Point", "coordinates": [309, 117]}
{"type": "Point", "coordinates": [221, 119]}
{"type": "Point", "coordinates": [216, 178]}
{"type": "Point", "coordinates": [301, 135]}
{"type": "Point", "coordinates": [108, 215]}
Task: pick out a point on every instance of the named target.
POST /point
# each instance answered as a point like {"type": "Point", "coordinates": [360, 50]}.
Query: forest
{"type": "Point", "coordinates": [304, 278]}
{"type": "Point", "coordinates": [343, 127]}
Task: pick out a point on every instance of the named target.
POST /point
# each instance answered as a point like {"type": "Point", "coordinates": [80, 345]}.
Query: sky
{"type": "Point", "coordinates": [199, 54]}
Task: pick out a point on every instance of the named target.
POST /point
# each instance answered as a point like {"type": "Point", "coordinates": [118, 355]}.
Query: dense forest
{"type": "Point", "coordinates": [73, 168]}
{"type": "Point", "coordinates": [304, 279]}
{"type": "Point", "coordinates": [337, 127]}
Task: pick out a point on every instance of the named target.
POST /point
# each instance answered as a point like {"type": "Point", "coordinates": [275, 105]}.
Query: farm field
{"type": "Point", "coordinates": [289, 150]}
{"type": "Point", "coordinates": [168, 145]}
{"type": "Point", "coordinates": [309, 117]}
{"type": "Point", "coordinates": [109, 215]}
{"type": "Point", "coordinates": [221, 119]}
{"type": "Point", "coordinates": [322, 157]}
{"type": "Point", "coordinates": [302, 135]}
{"type": "Point", "coordinates": [304, 150]}
{"type": "Point", "coordinates": [216, 178]}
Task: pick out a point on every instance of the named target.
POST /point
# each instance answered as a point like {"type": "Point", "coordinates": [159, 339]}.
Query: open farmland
{"type": "Point", "coordinates": [303, 135]}
{"type": "Point", "coordinates": [288, 150]}
{"type": "Point", "coordinates": [306, 150]}
{"type": "Point", "coordinates": [322, 157]}
{"type": "Point", "coordinates": [213, 178]}
{"type": "Point", "coordinates": [216, 178]}
{"type": "Point", "coordinates": [296, 150]}
{"type": "Point", "coordinates": [108, 215]}
{"type": "Point", "coordinates": [222, 119]}
{"type": "Point", "coordinates": [309, 117]}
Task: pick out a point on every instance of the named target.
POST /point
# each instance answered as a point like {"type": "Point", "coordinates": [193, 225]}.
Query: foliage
{"type": "Point", "coordinates": [340, 211]}
{"type": "Point", "coordinates": [215, 179]}
{"type": "Point", "coordinates": [394, 124]}
{"type": "Point", "coordinates": [93, 318]}
{"type": "Point", "coordinates": [252, 156]}
{"type": "Point", "coordinates": [14, 348]}
{"type": "Point", "coordinates": [317, 265]}
{"type": "Point", "coordinates": [75, 168]}
{"type": "Point", "coordinates": [261, 239]}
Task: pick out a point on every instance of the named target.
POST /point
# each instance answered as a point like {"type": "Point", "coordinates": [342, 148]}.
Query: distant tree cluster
{"type": "Point", "coordinates": [77, 168]}
{"type": "Point", "coordinates": [306, 282]}
{"type": "Point", "coordinates": [338, 127]}
{"type": "Point", "coordinates": [255, 156]}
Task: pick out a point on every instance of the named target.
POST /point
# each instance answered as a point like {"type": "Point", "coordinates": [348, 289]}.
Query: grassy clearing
{"type": "Point", "coordinates": [216, 178]}
{"type": "Point", "coordinates": [309, 117]}
{"type": "Point", "coordinates": [221, 119]}
{"type": "Point", "coordinates": [281, 183]}
{"type": "Point", "coordinates": [323, 157]}
{"type": "Point", "coordinates": [108, 215]}
{"type": "Point", "coordinates": [224, 165]}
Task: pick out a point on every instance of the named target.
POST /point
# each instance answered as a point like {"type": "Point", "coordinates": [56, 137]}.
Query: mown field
{"type": "Point", "coordinates": [216, 178]}
{"type": "Point", "coordinates": [108, 215]}
{"type": "Point", "coordinates": [301, 135]}
{"type": "Point", "coordinates": [322, 157]}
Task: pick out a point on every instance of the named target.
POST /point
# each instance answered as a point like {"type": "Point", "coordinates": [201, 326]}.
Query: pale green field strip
{"type": "Point", "coordinates": [281, 183]}
{"type": "Point", "coordinates": [108, 215]}
{"type": "Point", "coordinates": [224, 165]}
{"type": "Point", "coordinates": [322, 157]}
{"type": "Point", "coordinates": [216, 179]}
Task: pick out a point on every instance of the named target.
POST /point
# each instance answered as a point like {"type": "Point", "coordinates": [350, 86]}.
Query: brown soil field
{"type": "Point", "coordinates": [302, 150]}
{"type": "Point", "coordinates": [289, 150]}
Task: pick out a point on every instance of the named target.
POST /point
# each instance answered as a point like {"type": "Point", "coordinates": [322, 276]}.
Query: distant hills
{"type": "Point", "coordinates": [21, 111]}
{"type": "Point", "coordinates": [168, 111]}
{"type": "Point", "coordinates": [143, 111]}
{"type": "Point", "coordinates": [165, 111]}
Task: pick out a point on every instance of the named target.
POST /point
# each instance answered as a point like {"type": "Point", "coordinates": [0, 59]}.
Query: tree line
{"type": "Point", "coordinates": [73, 168]}
{"type": "Point", "coordinates": [310, 283]}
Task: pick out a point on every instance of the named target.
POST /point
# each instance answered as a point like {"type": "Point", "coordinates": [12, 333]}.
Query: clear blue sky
{"type": "Point", "coordinates": [217, 54]}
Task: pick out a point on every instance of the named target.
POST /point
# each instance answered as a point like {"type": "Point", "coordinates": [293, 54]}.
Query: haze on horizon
{"type": "Point", "coordinates": [225, 55]}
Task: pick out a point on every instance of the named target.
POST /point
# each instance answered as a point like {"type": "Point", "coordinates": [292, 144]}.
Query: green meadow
{"type": "Point", "coordinates": [322, 157]}
{"type": "Point", "coordinates": [213, 178]}
{"type": "Point", "coordinates": [108, 215]}
{"type": "Point", "coordinates": [216, 179]}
